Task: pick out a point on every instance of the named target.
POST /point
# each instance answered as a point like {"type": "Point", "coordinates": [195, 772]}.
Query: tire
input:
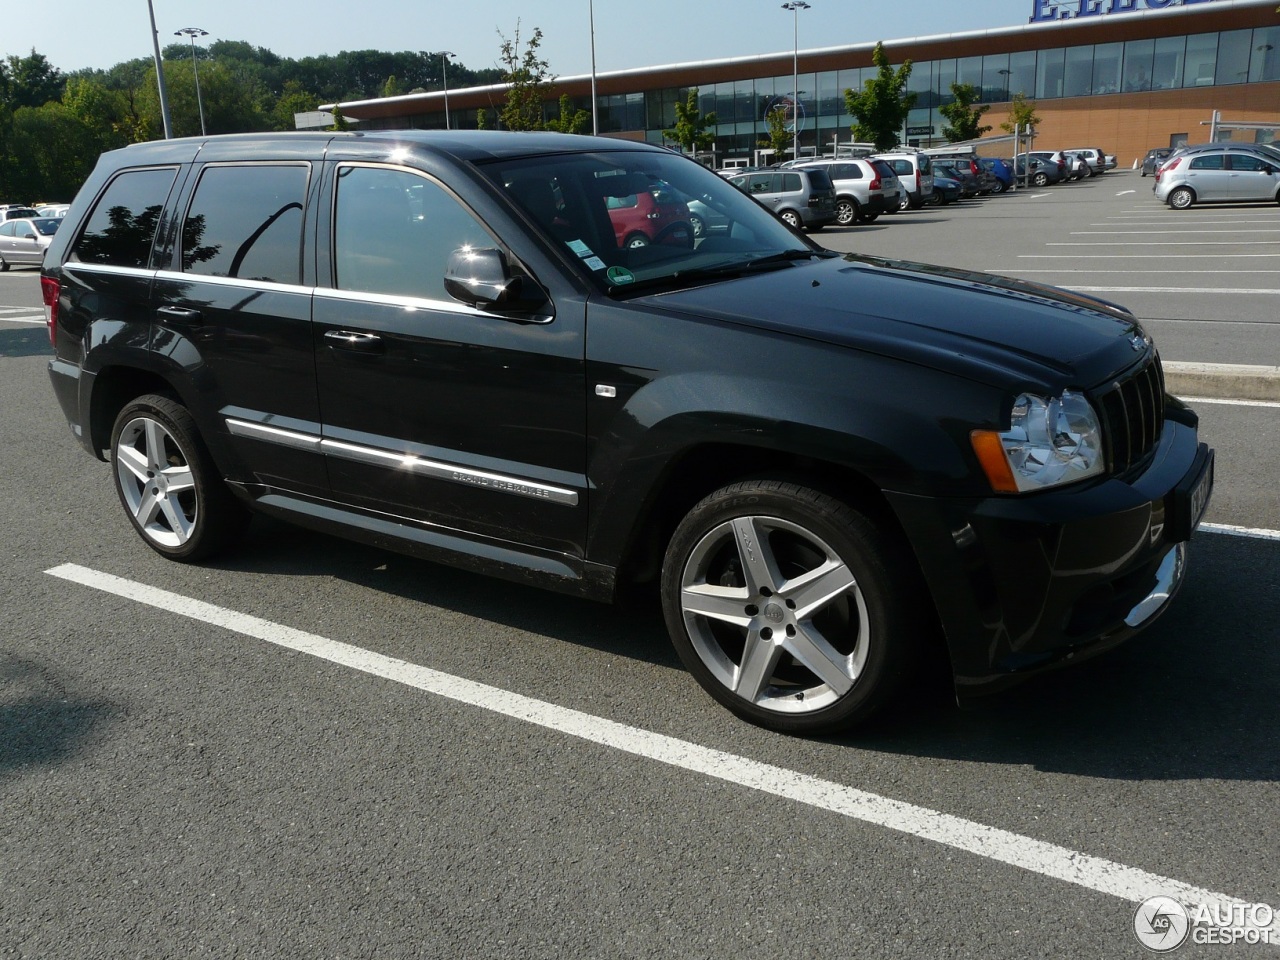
{"type": "Point", "coordinates": [635, 241]}
{"type": "Point", "coordinates": [699, 226]}
{"type": "Point", "coordinates": [167, 483]}
{"type": "Point", "coordinates": [790, 218]}
{"type": "Point", "coordinates": [868, 217]}
{"type": "Point", "coordinates": [1181, 198]}
{"type": "Point", "coordinates": [904, 202]}
{"type": "Point", "coordinates": [4, 264]}
{"type": "Point", "coordinates": [999, 187]}
{"type": "Point", "coordinates": [1040, 179]}
{"type": "Point", "coordinates": [769, 575]}
{"type": "Point", "coordinates": [679, 234]}
{"type": "Point", "coordinates": [848, 212]}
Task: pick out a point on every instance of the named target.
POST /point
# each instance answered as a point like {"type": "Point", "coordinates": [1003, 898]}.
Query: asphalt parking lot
{"type": "Point", "coordinates": [312, 748]}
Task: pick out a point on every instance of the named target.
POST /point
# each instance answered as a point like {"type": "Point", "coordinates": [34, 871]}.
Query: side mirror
{"type": "Point", "coordinates": [483, 279]}
{"type": "Point", "coordinates": [28, 236]}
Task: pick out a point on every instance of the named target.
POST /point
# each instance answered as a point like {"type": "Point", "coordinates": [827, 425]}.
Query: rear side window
{"type": "Point", "coordinates": [819, 180]}
{"type": "Point", "coordinates": [1211, 162]}
{"type": "Point", "coordinates": [245, 221]}
{"type": "Point", "coordinates": [846, 171]}
{"type": "Point", "coordinates": [122, 227]}
{"type": "Point", "coordinates": [926, 165]}
{"type": "Point", "coordinates": [791, 183]}
{"type": "Point", "coordinates": [883, 168]}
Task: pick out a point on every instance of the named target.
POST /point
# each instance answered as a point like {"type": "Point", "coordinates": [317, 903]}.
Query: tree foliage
{"type": "Point", "coordinates": [1022, 113]}
{"type": "Point", "coordinates": [880, 109]}
{"type": "Point", "coordinates": [526, 73]}
{"type": "Point", "coordinates": [963, 118]}
{"type": "Point", "coordinates": [570, 120]}
{"type": "Point", "coordinates": [780, 138]}
{"type": "Point", "coordinates": [693, 129]}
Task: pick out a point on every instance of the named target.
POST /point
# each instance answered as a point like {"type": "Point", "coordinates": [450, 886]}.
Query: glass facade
{"type": "Point", "coordinates": [1089, 70]}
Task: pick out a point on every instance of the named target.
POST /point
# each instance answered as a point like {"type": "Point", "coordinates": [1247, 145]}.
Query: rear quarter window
{"type": "Point", "coordinates": [819, 180]}
{"type": "Point", "coordinates": [122, 227]}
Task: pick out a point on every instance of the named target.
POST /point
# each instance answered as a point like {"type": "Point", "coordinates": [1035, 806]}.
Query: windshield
{"type": "Point", "coordinates": [635, 219]}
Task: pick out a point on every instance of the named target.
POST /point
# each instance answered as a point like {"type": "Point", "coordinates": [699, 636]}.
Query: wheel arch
{"type": "Point", "coordinates": [113, 387]}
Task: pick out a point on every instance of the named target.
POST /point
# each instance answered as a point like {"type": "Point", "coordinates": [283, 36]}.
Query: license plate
{"type": "Point", "coordinates": [1190, 499]}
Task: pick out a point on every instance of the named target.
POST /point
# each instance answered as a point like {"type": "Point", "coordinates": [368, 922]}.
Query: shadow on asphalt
{"type": "Point", "coordinates": [42, 720]}
{"type": "Point", "coordinates": [1192, 697]}
{"type": "Point", "coordinates": [24, 342]}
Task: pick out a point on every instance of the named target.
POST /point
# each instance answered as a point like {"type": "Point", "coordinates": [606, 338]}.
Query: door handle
{"type": "Point", "coordinates": [354, 340]}
{"type": "Point", "coordinates": [180, 315]}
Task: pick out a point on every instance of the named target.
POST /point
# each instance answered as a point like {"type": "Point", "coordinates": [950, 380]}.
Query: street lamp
{"type": "Point", "coordinates": [192, 33]}
{"type": "Point", "coordinates": [444, 56]}
{"type": "Point", "coordinates": [795, 6]}
{"type": "Point", "coordinates": [164, 93]}
{"type": "Point", "coordinates": [591, 19]}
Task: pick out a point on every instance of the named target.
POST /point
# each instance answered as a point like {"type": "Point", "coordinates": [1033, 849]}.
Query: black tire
{"type": "Point", "coordinates": [167, 483]}
{"type": "Point", "coordinates": [904, 202]}
{"type": "Point", "coordinates": [790, 218]}
{"type": "Point", "coordinates": [808, 578]}
{"type": "Point", "coordinates": [699, 226]}
{"type": "Point", "coordinates": [4, 264]}
{"type": "Point", "coordinates": [868, 217]}
{"type": "Point", "coordinates": [848, 212]}
{"type": "Point", "coordinates": [998, 188]}
{"type": "Point", "coordinates": [1040, 179]}
{"type": "Point", "coordinates": [1182, 198]}
{"type": "Point", "coordinates": [678, 234]}
{"type": "Point", "coordinates": [635, 241]}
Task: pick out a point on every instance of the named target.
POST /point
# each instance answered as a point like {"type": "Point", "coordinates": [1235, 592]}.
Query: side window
{"type": "Point", "coordinates": [245, 221]}
{"type": "Point", "coordinates": [7, 228]}
{"type": "Point", "coordinates": [1244, 161]}
{"type": "Point", "coordinates": [791, 183]}
{"type": "Point", "coordinates": [122, 227]}
{"type": "Point", "coordinates": [394, 232]}
{"type": "Point", "coordinates": [1212, 161]}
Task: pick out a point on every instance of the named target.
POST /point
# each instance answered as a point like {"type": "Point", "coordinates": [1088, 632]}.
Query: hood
{"type": "Point", "coordinates": [978, 325]}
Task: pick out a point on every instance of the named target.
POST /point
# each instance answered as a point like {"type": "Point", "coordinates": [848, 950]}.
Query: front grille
{"type": "Point", "coordinates": [1133, 415]}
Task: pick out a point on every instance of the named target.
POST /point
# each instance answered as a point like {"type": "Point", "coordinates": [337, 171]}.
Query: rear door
{"type": "Point", "coordinates": [1208, 176]}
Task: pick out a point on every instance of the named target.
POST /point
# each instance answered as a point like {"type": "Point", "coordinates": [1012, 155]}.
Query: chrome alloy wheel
{"type": "Point", "coordinates": [156, 482]}
{"type": "Point", "coordinates": [775, 615]}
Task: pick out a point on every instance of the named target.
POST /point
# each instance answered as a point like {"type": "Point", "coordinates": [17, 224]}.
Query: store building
{"type": "Point", "coordinates": [1121, 75]}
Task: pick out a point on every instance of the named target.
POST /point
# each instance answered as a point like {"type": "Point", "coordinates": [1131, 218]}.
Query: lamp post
{"type": "Point", "coordinates": [795, 6]}
{"type": "Point", "coordinates": [192, 33]}
{"type": "Point", "coordinates": [164, 93]}
{"type": "Point", "coordinates": [591, 19]}
{"type": "Point", "coordinates": [444, 56]}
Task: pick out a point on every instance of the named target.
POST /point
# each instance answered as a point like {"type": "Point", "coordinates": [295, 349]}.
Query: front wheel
{"type": "Point", "coordinates": [1181, 198]}
{"type": "Point", "coordinates": [790, 608]}
{"type": "Point", "coordinates": [168, 484]}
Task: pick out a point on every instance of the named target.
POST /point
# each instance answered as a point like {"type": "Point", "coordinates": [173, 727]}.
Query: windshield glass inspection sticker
{"type": "Point", "coordinates": [620, 275]}
{"type": "Point", "coordinates": [595, 263]}
{"type": "Point", "coordinates": [580, 248]}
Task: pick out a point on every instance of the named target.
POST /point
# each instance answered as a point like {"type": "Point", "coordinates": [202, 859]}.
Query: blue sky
{"type": "Point", "coordinates": [98, 33]}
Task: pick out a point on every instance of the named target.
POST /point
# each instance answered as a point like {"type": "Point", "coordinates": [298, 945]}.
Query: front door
{"type": "Point", "coordinates": [433, 410]}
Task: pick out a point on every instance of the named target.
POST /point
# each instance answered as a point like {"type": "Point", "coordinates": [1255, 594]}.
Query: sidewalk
{"type": "Point", "coordinates": [1228, 381]}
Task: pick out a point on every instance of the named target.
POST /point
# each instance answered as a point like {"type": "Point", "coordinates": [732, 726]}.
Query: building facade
{"type": "Point", "coordinates": [1120, 75]}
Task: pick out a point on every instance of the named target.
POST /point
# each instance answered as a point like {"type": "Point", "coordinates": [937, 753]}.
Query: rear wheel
{"type": "Point", "coordinates": [1181, 198]}
{"type": "Point", "coordinates": [999, 187]}
{"type": "Point", "coordinates": [847, 211]}
{"type": "Point", "coordinates": [699, 227]}
{"type": "Point", "coordinates": [167, 482]}
{"type": "Point", "coordinates": [635, 241]}
{"type": "Point", "coordinates": [4, 264]}
{"type": "Point", "coordinates": [904, 202]}
{"type": "Point", "coordinates": [790, 218]}
{"type": "Point", "coordinates": [868, 217]}
{"type": "Point", "coordinates": [790, 608]}
{"type": "Point", "coordinates": [1040, 179]}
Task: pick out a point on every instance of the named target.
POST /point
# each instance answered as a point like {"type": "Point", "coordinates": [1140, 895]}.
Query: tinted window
{"type": "Point", "coordinates": [884, 169]}
{"type": "Point", "coordinates": [1212, 161]}
{"type": "Point", "coordinates": [46, 226]}
{"type": "Point", "coordinates": [791, 183]}
{"type": "Point", "coordinates": [122, 227]}
{"type": "Point", "coordinates": [7, 228]}
{"type": "Point", "coordinates": [846, 171]}
{"type": "Point", "coordinates": [246, 221]}
{"type": "Point", "coordinates": [819, 180]}
{"type": "Point", "coordinates": [394, 232]}
{"type": "Point", "coordinates": [1244, 161]}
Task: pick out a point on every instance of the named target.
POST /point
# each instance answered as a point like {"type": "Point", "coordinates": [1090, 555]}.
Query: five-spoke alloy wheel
{"type": "Point", "coordinates": [783, 603]}
{"type": "Point", "coordinates": [167, 483]}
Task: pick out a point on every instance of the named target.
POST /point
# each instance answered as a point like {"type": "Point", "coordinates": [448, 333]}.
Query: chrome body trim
{"type": "Point", "coordinates": [286, 438]}
{"type": "Point", "coordinates": [1168, 579]}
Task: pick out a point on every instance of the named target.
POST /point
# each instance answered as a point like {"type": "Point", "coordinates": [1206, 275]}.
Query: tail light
{"type": "Point", "coordinates": [918, 182]}
{"type": "Point", "coordinates": [50, 289]}
{"type": "Point", "coordinates": [1168, 167]}
{"type": "Point", "coordinates": [876, 182]}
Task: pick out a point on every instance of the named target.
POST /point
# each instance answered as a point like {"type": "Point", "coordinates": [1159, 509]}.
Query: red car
{"type": "Point", "coordinates": [655, 215]}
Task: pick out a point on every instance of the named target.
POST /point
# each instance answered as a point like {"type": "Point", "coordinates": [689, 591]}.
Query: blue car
{"type": "Point", "coordinates": [945, 190]}
{"type": "Point", "coordinates": [1002, 172]}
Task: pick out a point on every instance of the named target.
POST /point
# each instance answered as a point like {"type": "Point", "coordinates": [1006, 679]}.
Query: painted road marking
{"type": "Point", "coordinates": [1002, 846]}
{"type": "Point", "coordinates": [1252, 291]}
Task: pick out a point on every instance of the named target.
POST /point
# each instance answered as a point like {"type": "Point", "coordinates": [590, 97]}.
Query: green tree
{"type": "Point", "coordinates": [779, 138]}
{"type": "Point", "coordinates": [693, 129]}
{"type": "Point", "coordinates": [880, 109]}
{"type": "Point", "coordinates": [963, 118]}
{"type": "Point", "coordinates": [526, 74]}
{"type": "Point", "coordinates": [33, 81]}
{"type": "Point", "coordinates": [293, 99]}
{"type": "Point", "coordinates": [339, 121]}
{"type": "Point", "coordinates": [570, 120]}
{"type": "Point", "coordinates": [1022, 112]}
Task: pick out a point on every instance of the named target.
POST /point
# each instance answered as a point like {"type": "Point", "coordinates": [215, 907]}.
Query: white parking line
{"type": "Point", "coordinates": [1148, 233]}
{"type": "Point", "coordinates": [30, 318]}
{"type": "Point", "coordinates": [1163, 243]}
{"type": "Point", "coordinates": [1196, 401]}
{"type": "Point", "coordinates": [1046, 859]}
{"type": "Point", "coordinates": [1137, 256]}
{"type": "Point", "coordinates": [1250, 291]}
{"type": "Point", "coordinates": [1231, 529]}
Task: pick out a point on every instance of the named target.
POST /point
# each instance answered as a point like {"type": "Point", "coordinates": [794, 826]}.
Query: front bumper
{"type": "Point", "coordinates": [1023, 584]}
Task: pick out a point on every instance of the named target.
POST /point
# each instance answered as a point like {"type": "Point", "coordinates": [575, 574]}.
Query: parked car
{"type": "Point", "coordinates": [1053, 158]}
{"type": "Point", "coordinates": [960, 173]}
{"type": "Point", "coordinates": [915, 173]}
{"type": "Point", "coordinates": [1098, 161]}
{"type": "Point", "coordinates": [1037, 171]}
{"type": "Point", "coordinates": [25, 241]}
{"type": "Point", "coordinates": [799, 197]}
{"type": "Point", "coordinates": [945, 190]}
{"type": "Point", "coordinates": [14, 212]}
{"type": "Point", "coordinates": [1000, 170]}
{"type": "Point", "coordinates": [1155, 156]}
{"type": "Point", "coordinates": [655, 213]}
{"type": "Point", "coordinates": [55, 210]}
{"type": "Point", "coordinates": [865, 188]}
{"type": "Point", "coordinates": [1218, 176]}
{"type": "Point", "coordinates": [823, 462]}
{"type": "Point", "coordinates": [1077, 166]}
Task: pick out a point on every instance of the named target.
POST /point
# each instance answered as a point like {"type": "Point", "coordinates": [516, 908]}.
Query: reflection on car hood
{"type": "Point", "coordinates": [975, 324]}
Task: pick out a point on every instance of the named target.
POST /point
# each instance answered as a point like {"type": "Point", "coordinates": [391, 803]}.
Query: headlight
{"type": "Point", "coordinates": [1049, 442]}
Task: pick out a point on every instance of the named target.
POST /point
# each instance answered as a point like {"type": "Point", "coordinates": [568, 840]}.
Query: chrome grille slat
{"type": "Point", "coordinates": [1133, 414]}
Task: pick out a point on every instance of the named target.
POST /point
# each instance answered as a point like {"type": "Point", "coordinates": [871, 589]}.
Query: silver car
{"type": "Point", "coordinates": [1218, 176]}
{"type": "Point", "coordinates": [865, 188]}
{"type": "Point", "coordinates": [25, 241]}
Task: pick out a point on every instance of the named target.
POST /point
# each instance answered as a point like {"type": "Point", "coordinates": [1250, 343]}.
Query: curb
{"type": "Point", "coordinates": [1233, 381]}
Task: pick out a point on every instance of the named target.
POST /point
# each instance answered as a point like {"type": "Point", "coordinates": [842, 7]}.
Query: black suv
{"type": "Point", "coordinates": [435, 343]}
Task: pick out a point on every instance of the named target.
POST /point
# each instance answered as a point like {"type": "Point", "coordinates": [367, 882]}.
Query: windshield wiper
{"type": "Point", "coordinates": [720, 271]}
